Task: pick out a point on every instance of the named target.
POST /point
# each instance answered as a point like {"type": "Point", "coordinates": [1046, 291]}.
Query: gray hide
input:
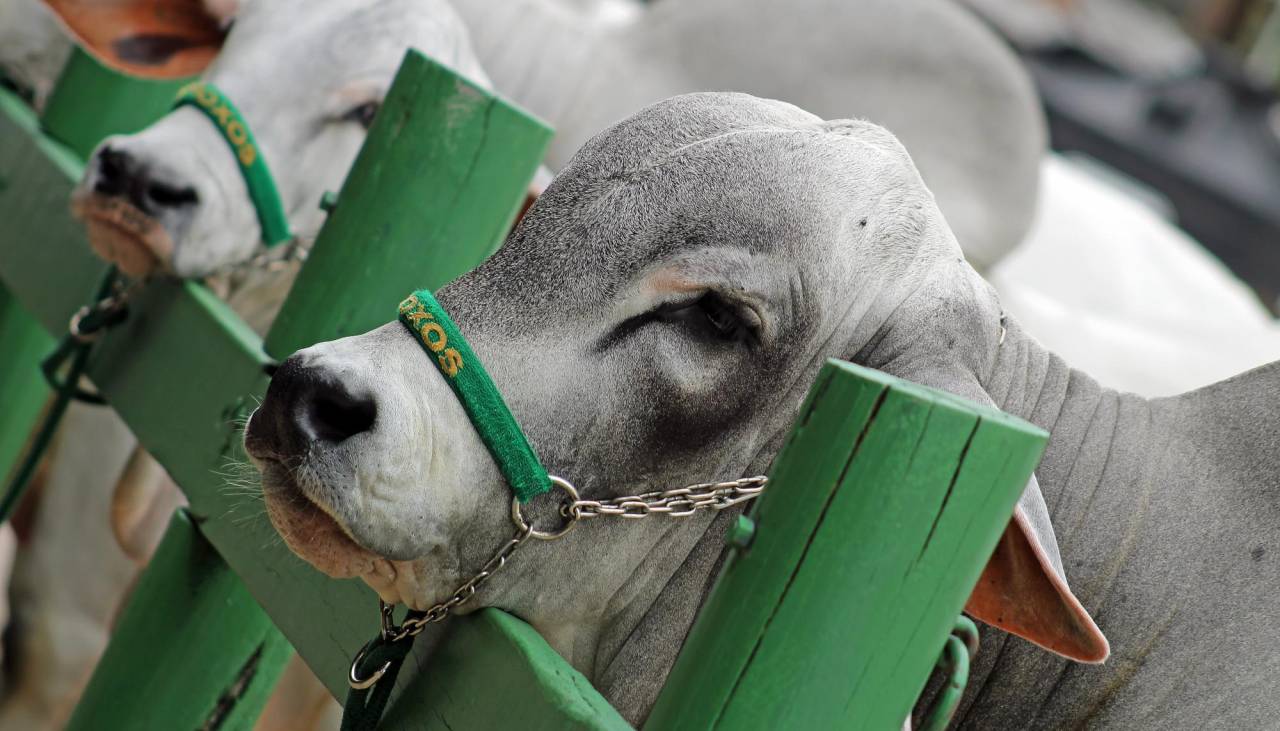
{"type": "Point", "coordinates": [933, 75]}
{"type": "Point", "coordinates": [656, 319]}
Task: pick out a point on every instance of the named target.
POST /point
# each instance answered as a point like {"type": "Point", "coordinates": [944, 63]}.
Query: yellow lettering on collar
{"type": "Point", "coordinates": [206, 96]}
{"type": "Point", "coordinates": [418, 316]}
{"type": "Point", "coordinates": [236, 133]}
{"type": "Point", "coordinates": [450, 362]}
{"type": "Point", "coordinates": [441, 339]}
{"type": "Point", "coordinates": [223, 115]}
{"type": "Point", "coordinates": [410, 304]}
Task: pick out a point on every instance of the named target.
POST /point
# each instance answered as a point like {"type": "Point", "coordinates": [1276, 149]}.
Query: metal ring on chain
{"type": "Point", "coordinates": [518, 518]}
{"type": "Point", "coordinates": [359, 683]}
{"type": "Point", "coordinates": [106, 305]}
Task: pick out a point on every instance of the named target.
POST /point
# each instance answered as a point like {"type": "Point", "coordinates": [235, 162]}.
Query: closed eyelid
{"type": "Point", "coordinates": [353, 94]}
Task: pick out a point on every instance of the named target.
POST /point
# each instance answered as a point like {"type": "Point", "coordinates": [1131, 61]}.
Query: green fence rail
{"type": "Point", "coordinates": [884, 505]}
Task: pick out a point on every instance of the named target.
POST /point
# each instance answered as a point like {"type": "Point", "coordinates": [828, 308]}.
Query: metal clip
{"type": "Point", "coordinates": [358, 683]}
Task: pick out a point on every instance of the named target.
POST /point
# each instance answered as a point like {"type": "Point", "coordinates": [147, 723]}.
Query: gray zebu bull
{"type": "Point", "coordinates": [734, 244]}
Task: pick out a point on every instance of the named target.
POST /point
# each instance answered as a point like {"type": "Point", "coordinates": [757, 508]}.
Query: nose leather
{"type": "Point", "coordinates": [121, 174]}
{"type": "Point", "coordinates": [307, 406]}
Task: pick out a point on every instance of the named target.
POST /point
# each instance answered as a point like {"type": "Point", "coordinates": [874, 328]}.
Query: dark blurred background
{"type": "Point", "coordinates": [1180, 95]}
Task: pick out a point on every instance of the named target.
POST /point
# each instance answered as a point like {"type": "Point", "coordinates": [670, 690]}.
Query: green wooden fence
{"type": "Point", "coordinates": [882, 510]}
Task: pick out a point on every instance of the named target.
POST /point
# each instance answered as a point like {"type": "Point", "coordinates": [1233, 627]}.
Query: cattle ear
{"type": "Point", "coordinates": [158, 39]}
{"type": "Point", "coordinates": [1023, 590]}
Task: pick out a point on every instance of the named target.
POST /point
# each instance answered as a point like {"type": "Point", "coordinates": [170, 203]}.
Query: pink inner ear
{"type": "Point", "coordinates": [149, 38]}
{"type": "Point", "coordinates": [530, 196]}
{"type": "Point", "coordinates": [1021, 593]}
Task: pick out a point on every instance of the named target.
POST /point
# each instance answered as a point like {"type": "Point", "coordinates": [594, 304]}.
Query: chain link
{"type": "Point", "coordinates": [678, 503]}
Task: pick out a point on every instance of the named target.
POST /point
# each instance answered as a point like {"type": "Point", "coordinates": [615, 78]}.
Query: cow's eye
{"type": "Point", "coordinates": [710, 315]}
{"type": "Point", "coordinates": [363, 114]}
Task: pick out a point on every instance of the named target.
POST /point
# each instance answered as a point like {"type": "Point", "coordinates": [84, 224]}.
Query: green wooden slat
{"type": "Point", "coordinates": [191, 645]}
{"type": "Point", "coordinates": [432, 193]}
{"type": "Point", "coordinates": [92, 102]}
{"type": "Point", "coordinates": [509, 664]}
{"type": "Point", "coordinates": [836, 613]}
{"type": "Point", "coordinates": [22, 389]}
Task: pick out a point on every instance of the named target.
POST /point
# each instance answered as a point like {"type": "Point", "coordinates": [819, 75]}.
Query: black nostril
{"type": "Point", "coordinates": [113, 171]}
{"type": "Point", "coordinates": [333, 414]}
{"type": "Point", "coordinates": [306, 405]}
{"type": "Point", "coordinates": [168, 196]}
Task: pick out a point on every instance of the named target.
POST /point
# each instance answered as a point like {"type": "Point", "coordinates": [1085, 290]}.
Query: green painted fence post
{"type": "Point", "coordinates": [191, 650]}
{"type": "Point", "coordinates": [431, 194]}
{"type": "Point", "coordinates": [882, 510]}
{"type": "Point", "coordinates": [92, 102]}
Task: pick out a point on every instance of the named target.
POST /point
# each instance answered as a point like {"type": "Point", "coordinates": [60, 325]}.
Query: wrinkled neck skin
{"type": "Point", "coordinates": [1000, 363]}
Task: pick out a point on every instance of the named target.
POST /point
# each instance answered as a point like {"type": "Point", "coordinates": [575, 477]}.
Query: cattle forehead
{"type": "Point", "coordinates": [697, 172]}
{"type": "Point", "coordinates": [716, 170]}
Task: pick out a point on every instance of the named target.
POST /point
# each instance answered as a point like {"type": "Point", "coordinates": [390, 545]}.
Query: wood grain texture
{"type": "Point", "coordinates": [881, 511]}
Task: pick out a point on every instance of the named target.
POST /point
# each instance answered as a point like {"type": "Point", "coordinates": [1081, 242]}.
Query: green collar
{"type": "Point", "coordinates": [253, 166]}
{"type": "Point", "coordinates": [448, 350]}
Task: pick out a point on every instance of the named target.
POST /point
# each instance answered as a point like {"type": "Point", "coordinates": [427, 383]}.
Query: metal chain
{"type": "Point", "coordinates": [414, 625]}
{"type": "Point", "coordinates": [268, 260]}
{"type": "Point", "coordinates": [678, 503]}
{"type": "Point", "coordinates": [101, 312]}
{"type": "Point", "coordinates": [273, 259]}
